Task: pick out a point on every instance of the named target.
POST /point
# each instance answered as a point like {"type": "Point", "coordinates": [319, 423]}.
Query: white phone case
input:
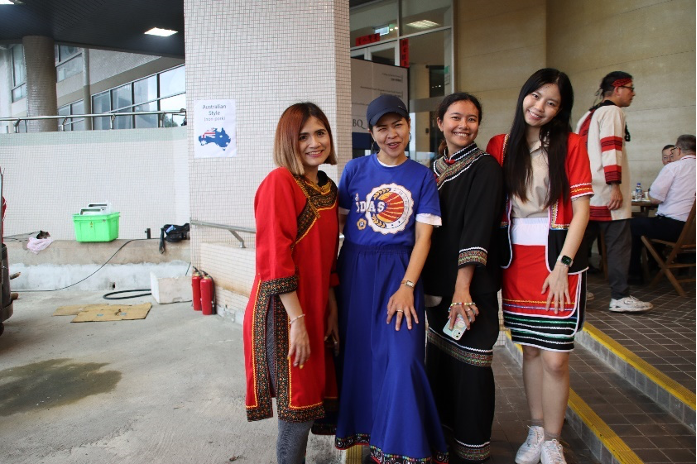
{"type": "Point", "coordinates": [458, 329]}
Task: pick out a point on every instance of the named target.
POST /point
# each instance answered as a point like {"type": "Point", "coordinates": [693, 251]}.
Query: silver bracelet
{"type": "Point", "coordinates": [295, 319]}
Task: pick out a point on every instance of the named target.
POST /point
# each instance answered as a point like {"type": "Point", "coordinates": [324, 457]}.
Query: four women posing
{"type": "Point", "coordinates": [389, 208]}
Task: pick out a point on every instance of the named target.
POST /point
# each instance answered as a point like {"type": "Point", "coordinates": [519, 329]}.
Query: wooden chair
{"type": "Point", "coordinates": [685, 244]}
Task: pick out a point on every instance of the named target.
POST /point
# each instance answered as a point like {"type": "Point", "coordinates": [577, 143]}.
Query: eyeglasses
{"type": "Point", "coordinates": [672, 150]}
{"type": "Point", "coordinates": [630, 87]}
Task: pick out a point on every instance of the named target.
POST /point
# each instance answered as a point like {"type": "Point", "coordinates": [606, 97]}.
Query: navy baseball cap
{"type": "Point", "coordinates": [383, 105]}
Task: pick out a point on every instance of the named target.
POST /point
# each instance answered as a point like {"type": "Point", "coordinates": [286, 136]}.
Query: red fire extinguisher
{"type": "Point", "coordinates": [207, 295]}
{"type": "Point", "coordinates": [196, 290]}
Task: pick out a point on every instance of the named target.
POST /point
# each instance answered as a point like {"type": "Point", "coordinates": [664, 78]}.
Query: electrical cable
{"type": "Point", "coordinates": [107, 296]}
{"type": "Point", "coordinates": [79, 281]}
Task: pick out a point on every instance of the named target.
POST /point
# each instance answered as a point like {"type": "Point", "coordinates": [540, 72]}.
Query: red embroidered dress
{"type": "Point", "coordinates": [296, 248]}
{"type": "Point", "coordinates": [526, 267]}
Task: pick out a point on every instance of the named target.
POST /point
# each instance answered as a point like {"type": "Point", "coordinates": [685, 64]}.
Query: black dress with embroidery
{"type": "Point", "coordinates": [470, 188]}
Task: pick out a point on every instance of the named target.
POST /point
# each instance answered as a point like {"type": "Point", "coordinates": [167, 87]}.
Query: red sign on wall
{"type": "Point", "coordinates": [404, 53]}
{"type": "Point", "coordinates": [367, 39]}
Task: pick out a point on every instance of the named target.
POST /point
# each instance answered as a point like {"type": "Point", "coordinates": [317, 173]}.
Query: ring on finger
{"type": "Point", "coordinates": [400, 310]}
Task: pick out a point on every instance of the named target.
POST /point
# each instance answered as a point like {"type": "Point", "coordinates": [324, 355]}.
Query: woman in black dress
{"type": "Point", "coordinates": [462, 277]}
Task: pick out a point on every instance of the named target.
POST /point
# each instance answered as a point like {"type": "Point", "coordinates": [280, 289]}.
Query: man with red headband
{"type": "Point", "coordinates": [605, 131]}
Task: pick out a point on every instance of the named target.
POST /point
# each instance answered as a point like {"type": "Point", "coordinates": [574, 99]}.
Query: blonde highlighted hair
{"type": "Point", "coordinates": [286, 145]}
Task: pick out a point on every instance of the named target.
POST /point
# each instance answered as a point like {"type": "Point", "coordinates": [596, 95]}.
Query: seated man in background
{"type": "Point", "coordinates": [674, 193]}
{"type": "Point", "coordinates": [666, 154]}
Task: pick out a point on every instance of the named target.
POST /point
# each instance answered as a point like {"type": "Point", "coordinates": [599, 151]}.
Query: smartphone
{"type": "Point", "coordinates": [458, 329]}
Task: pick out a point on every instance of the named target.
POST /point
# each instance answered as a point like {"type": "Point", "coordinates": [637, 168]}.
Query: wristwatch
{"type": "Point", "coordinates": [408, 283]}
{"type": "Point", "coordinates": [565, 260]}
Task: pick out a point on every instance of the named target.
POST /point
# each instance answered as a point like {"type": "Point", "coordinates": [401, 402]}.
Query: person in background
{"type": "Point", "coordinates": [388, 206]}
{"type": "Point", "coordinates": [605, 133]}
{"type": "Point", "coordinates": [292, 311]}
{"type": "Point", "coordinates": [666, 154]}
{"type": "Point", "coordinates": [674, 193]}
{"type": "Point", "coordinates": [548, 183]}
{"type": "Point", "coordinates": [461, 279]}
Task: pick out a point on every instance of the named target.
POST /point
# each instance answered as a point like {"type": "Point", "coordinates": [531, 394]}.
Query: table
{"type": "Point", "coordinates": [645, 207]}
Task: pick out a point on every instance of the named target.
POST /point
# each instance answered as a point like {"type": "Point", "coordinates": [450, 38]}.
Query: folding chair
{"type": "Point", "coordinates": [684, 244]}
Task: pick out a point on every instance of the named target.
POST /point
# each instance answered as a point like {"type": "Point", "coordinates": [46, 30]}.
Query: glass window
{"type": "Point", "coordinates": [419, 16]}
{"type": "Point", "coordinates": [173, 103]}
{"type": "Point", "coordinates": [172, 82]}
{"type": "Point", "coordinates": [69, 68]}
{"type": "Point", "coordinates": [121, 102]}
{"type": "Point", "coordinates": [145, 92]}
{"type": "Point", "coordinates": [64, 111]}
{"type": "Point", "coordinates": [376, 18]}
{"type": "Point", "coordinates": [19, 92]}
{"type": "Point", "coordinates": [19, 70]}
{"type": "Point", "coordinates": [78, 108]}
{"type": "Point", "coordinates": [101, 103]}
{"type": "Point", "coordinates": [19, 73]}
{"type": "Point", "coordinates": [64, 52]}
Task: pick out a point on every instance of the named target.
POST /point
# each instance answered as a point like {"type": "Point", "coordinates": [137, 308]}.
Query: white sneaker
{"type": "Point", "coordinates": [629, 304]}
{"type": "Point", "coordinates": [590, 296]}
{"type": "Point", "coordinates": [529, 452]}
{"type": "Point", "coordinates": [552, 453]}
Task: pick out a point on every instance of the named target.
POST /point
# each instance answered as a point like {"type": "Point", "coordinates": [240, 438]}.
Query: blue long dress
{"type": "Point", "coordinates": [385, 400]}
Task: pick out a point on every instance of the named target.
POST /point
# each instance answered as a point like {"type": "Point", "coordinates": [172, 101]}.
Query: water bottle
{"type": "Point", "coordinates": [638, 192]}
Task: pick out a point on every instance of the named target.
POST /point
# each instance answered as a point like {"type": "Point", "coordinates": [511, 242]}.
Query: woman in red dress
{"type": "Point", "coordinates": [292, 311]}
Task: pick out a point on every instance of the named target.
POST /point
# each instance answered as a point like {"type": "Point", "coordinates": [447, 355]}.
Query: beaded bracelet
{"type": "Point", "coordinates": [295, 319]}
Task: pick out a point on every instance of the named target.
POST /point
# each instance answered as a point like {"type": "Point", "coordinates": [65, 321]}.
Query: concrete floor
{"type": "Point", "coordinates": [165, 389]}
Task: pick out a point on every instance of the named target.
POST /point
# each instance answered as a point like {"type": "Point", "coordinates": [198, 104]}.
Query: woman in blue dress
{"type": "Point", "coordinates": [388, 205]}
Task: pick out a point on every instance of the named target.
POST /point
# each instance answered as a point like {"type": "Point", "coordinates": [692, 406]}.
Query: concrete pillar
{"type": "Point", "coordinates": [39, 57]}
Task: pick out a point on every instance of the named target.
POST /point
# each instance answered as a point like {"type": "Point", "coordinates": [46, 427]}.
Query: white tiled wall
{"type": "Point", "coordinates": [266, 56]}
{"type": "Point", "coordinates": [49, 176]}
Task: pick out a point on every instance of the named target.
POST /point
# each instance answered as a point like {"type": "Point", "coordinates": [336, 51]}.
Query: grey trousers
{"type": "Point", "coordinates": [292, 436]}
{"type": "Point", "coordinates": [618, 243]}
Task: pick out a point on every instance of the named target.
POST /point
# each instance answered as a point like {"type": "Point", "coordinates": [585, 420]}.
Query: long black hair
{"type": "Point", "coordinates": [445, 104]}
{"type": "Point", "coordinates": [517, 166]}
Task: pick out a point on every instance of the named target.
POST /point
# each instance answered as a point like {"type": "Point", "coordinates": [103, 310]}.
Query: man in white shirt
{"type": "Point", "coordinates": [674, 193]}
{"type": "Point", "coordinates": [605, 131]}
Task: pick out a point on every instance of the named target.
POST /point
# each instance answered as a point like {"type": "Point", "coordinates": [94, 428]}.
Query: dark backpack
{"type": "Point", "coordinates": [173, 233]}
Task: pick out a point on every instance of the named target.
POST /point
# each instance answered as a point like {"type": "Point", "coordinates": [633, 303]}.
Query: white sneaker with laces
{"type": "Point", "coordinates": [629, 304]}
{"type": "Point", "coordinates": [552, 453]}
{"type": "Point", "coordinates": [529, 452]}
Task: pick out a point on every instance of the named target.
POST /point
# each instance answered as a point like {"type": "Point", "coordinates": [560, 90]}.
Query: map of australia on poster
{"type": "Point", "coordinates": [214, 129]}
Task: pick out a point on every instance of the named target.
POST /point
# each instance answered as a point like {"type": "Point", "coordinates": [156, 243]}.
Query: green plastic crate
{"type": "Point", "coordinates": [96, 227]}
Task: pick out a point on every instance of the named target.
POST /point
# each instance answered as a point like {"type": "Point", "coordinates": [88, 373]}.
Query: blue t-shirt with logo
{"type": "Point", "coordinates": [383, 201]}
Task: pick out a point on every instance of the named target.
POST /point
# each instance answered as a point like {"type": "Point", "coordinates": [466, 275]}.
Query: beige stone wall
{"type": "Point", "coordinates": [498, 45]}
{"type": "Point", "coordinates": [654, 41]}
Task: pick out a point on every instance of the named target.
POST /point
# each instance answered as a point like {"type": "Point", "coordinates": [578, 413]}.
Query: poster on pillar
{"type": "Point", "coordinates": [214, 129]}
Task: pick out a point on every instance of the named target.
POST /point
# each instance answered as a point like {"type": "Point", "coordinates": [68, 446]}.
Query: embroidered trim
{"type": "Point", "coordinates": [472, 255]}
{"type": "Point", "coordinates": [471, 452]}
{"type": "Point", "coordinates": [459, 352]}
{"type": "Point", "coordinates": [381, 457]}
{"type": "Point", "coordinates": [318, 199]}
{"type": "Point", "coordinates": [267, 294]}
{"type": "Point", "coordinates": [344, 443]}
{"type": "Point", "coordinates": [447, 170]}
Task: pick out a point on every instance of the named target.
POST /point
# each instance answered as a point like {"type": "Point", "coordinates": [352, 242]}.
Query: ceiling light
{"type": "Point", "coordinates": [161, 32]}
{"type": "Point", "coordinates": [6, 2]}
{"type": "Point", "coordinates": [423, 24]}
